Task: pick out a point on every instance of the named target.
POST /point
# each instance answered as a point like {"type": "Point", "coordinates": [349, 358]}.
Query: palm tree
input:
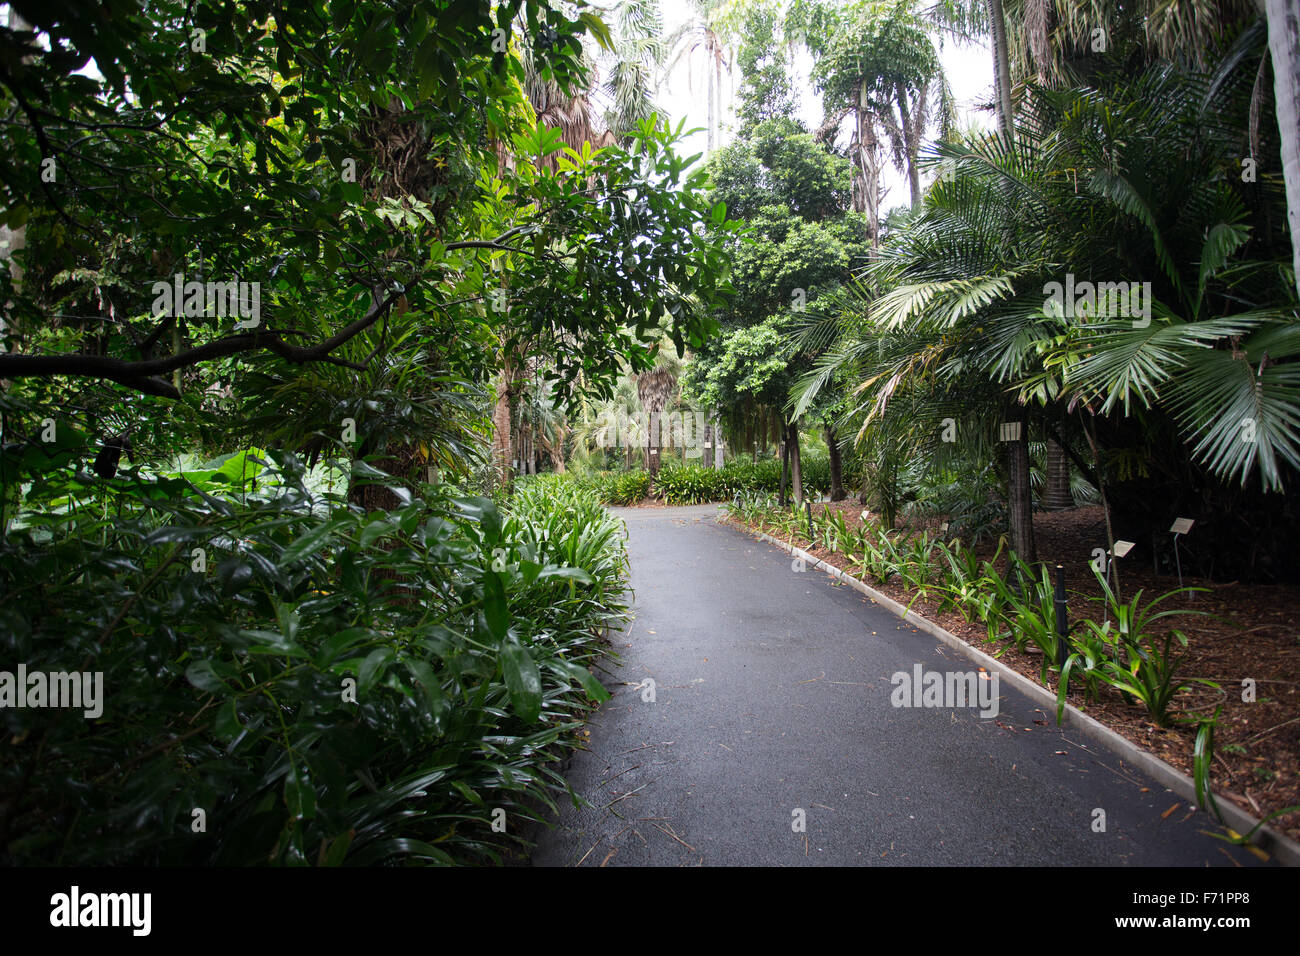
{"type": "Point", "coordinates": [876, 63]}
{"type": "Point", "coordinates": [1193, 400]}
{"type": "Point", "coordinates": [702, 33]}
{"type": "Point", "coordinates": [634, 71]}
{"type": "Point", "coordinates": [655, 388]}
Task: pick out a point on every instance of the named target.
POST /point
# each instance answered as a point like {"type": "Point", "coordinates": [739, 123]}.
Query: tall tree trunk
{"type": "Point", "coordinates": [837, 466]}
{"type": "Point", "coordinates": [785, 471]}
{"type": "Point", "coordinates": [717, 74]}
{"type": "Point", "coordinates": [866, 191]}
{"type": "Point", "coordinates": [709, 79]}
{"type": "Point", "coordinates": [503, 415]}
{"type": "Point", "coordinates": [717, 442]}
{"type": "Point", "coordinates": [12, 240]}
{"type": "Point", "coordinates": [653, 444]}
{"type": "Point", "coordinates": [1057, 495]}
{"type": "Point", "coordinates": [1020, 503]}
{"type": "Point", "coordinates": [796, 469]}
{"type": "Point", "coordinates": [1020, 508]}
{"type": "Point", "coordinates": [913, 177]}
{"type": "Point", "coordinates": [1002, 65]}
{"type": "Point", "coordinates": [1284, 47]}
{"type": "Point", "coordinates": [911, 141]}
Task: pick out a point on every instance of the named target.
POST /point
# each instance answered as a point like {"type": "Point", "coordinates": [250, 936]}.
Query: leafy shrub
{"type": "Point", "coordinates": [691, 484]}
{"type": "Point", "coordinates": [1029, 612]}
{"type": "Point", "coordinates": [695, 484]}
{"type": "Point", "coordinates": [606, 487]}
{"type": "Point", "coordinates": [626, 488]}
{"type": "Point", "coordinates": [329, 687]}
{"type": "Point", "coordinates": [963, 497]}
{"type": "Point", "coordinates": [1139, 663]}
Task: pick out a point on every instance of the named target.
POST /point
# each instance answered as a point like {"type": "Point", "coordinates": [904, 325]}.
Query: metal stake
{"type": "Point", "coordinates": [1062, 621]}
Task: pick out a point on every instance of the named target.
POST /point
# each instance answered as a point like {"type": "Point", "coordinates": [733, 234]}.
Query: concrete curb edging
{"type": "Point", "coordinates": [1280, 846]}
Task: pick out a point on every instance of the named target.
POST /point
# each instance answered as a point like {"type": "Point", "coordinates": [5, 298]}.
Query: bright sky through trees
{"type": "Point", "coordinates": [969, 68]}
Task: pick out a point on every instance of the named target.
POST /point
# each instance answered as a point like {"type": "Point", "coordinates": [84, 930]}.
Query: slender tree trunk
{"type": "Point", "coordinates": [709, 79]}
{"type": "Point", "coordinates": [1020, 504]}
{"type": "Point", "coordinates": [12, 240]}
{"type": "Point", "coordinates": [1002, 64]}
{"type": "Point", "coordinates": [837, 465]}
{"type": "Point", "coordinates": [717, 442]}
{"type": "Point", "coordinates": [503, 415]}
{"type": "Point", "coordinates": [1284, 47]}
{"type": "Point", "coordinates": [796, 469]}
{"type": "Point", "coordinates": [653, 444]}
{"type": "Point", "coordinates": [785, 471]}
{"type": "Point", "coordinates": [717, 76]}
{"type": "Point", "coordinates": [911, 142]}
{"type": "Point", "coordinates": [1020, 508]}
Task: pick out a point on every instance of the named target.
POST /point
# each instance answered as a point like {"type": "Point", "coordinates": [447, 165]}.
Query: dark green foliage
{"type": "Point", "coordinates": [695, 484]}
{"type": "Point", "coordinates": [468, 630]}
{"type": "Point", "coordinates": [680, 484]}
{"type": "Point", "coordinates": [608, 487]}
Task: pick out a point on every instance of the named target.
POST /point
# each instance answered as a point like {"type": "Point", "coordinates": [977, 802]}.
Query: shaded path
{"type": "Point", "coordinates": [772, 693]}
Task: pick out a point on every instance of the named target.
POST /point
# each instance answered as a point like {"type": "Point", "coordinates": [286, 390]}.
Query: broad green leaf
{"type": "Point", "coordinates": [523, 680]}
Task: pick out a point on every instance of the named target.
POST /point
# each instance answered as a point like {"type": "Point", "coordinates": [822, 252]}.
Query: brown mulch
{"type": "Point", "coordinates": [1249, 631]}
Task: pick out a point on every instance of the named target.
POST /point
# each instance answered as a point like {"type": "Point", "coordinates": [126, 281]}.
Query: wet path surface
{"type": "Point", "coordinates": [772, 705]}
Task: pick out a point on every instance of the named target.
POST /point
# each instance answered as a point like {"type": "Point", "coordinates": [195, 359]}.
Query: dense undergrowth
{"type": "Point", "coordinates": [692, 484]}
{"type": "Point", "coordinates": [287, 680]}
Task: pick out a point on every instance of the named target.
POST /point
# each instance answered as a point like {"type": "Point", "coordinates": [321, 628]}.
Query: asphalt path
{"type": "Point", "coordinates": [752, 723]}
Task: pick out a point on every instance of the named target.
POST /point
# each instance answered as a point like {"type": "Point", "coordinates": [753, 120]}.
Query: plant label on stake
{"type": "Point", "coordinates": [1180, 526]}
{"type": "Point", "coordinates": [1119, 549]}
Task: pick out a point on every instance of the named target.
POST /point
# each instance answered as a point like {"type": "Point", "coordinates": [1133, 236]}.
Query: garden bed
{"type": "Point", "coordinates": [1248, 631]}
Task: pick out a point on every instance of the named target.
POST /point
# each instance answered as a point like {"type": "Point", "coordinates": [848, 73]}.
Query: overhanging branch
{"type": "Point", "coordinates": [143, 375]}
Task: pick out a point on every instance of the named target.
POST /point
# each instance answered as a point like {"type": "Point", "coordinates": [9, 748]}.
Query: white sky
{"type": "Point", "coordinates": [969, 69]}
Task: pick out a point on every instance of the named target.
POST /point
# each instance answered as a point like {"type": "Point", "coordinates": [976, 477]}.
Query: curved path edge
{"type": "Point", "coordinates": [1282, 847]}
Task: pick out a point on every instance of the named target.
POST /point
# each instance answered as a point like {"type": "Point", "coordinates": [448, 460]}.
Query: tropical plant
{"type": "Point", "coordinates": [334, 686]}
{"type": "Point", "coordinates": [1144, 665]}
{"type": "Point", "coordinates": [964, 335]}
